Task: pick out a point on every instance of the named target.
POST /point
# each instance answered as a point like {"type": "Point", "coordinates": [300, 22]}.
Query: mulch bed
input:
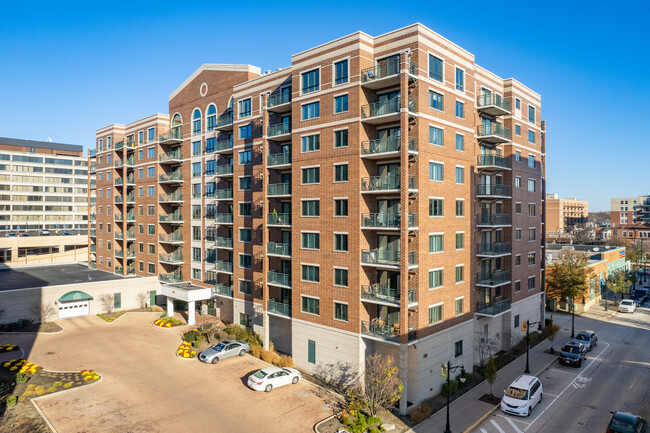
{"type": "Point", "coordinates": [486, 399]}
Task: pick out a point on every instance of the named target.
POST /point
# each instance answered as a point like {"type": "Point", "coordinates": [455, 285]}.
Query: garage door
{"type": "Point", "coordinates": [73, 309]}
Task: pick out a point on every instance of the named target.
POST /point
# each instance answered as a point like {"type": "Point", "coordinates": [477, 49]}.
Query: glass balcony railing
{"type": "Point", "coordinates": [493, 248]}
{"type": "Point", "coordinates": [279, 129]}
{"type": "Point", "coordinates": [494, 219]}
{"type": "Point", "coordinates": [386, 257]}
{"type": "Point", "coordinates": [391, 106]}
{"type": "Point", "coordinates": [223, 290]}
{"type": "Point", "coordinates": [494, 131]}
{"type": "Point", "coordinates": [171, 237]}
{"type": "Point", "coordinates": [223, 266]}
{"type": "Point", "coordinates": [175, 196]}
{"type": "Point", "coordinates": [174, 135]}
{"type": "Point", "coordinates": [223, 193]}
{"type": "Point", "coordinates": [279, 159]}
{"type": "Point", "coordinates": [494, 190]}
{"type": "Point", "coordinates": [223, 145]}
{"type": "Point", "coordinates": [223, 218]}
{"type": "Point", "coordinates": [279, 219]}
{"type": "Point", "coordinates": [93, 249]}
{"type": "Point", "coordinates": [385, 183]}
{"type": "Point", "coordinates": [493, 278]}
{"type": "Point", "coordinates": [93, 233]}
{"type": "Point", "coordinates": [93, 152]}
{"type": "Point", "coordinates": [171, 258]}
{"type": "Point", "coordinates": [492, 161]}
{"type": "Point", "coordinates": [386, 220]}
{"type": "Point", "coordinates": [92, 264]}
{"type": "Point", "coordinates": [175, 216]}
{"type": "Point", "coordinates": [223, 242]}
{"type": "Point", "coordinates": [281, 249]}
{"type": "Point", "coordinates": [493, 309]}
{"type": "Point", "coordinates": [119, 217]}
{"type": "Point", "coordinates": [383, 293]}
{"type": "Point", "coordinates": [379, 330]}
{"type": "Point", "coordinates": [279, 308]}
{"type": "Point", "coordinates": [176, 155]}
{"type": "Point", "coordinates": [386, 69]}
{"type": "Point", "coordinates": [279, 278]}
{"type": "Point", "coordinates": [173, 277]}
{"type": "Point", "coordinates": [279, 189]}
{"type": "Point", "coordinates": [171, 177]}
{"type": "Point", "coordinates": [279, 98]}
{"type": "Point", "coordinates": [225, 120]}
{"type": "Point", "coordinates": [493, 100]}
{"type": "Point", "coordinates": [221, 170]}
{"type": "Point", "coordinates": [379, 146]}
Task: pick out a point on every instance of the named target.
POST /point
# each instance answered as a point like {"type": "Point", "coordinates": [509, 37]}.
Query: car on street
{"type": "Point", "coordinates": [638, 300]}
{"type": "Point", "coordinates": [67, 234]}
{"type": "Point", "coordinates": [272, 377]}
{"type": "Point", "coordinates": [12, 235]}
{"type": "Point", "coordinates": [224, 349]}
{"type": "Point", "coordinates": [587, 338]}
{"type": "Point", "coordinates": [522, 396]}
{"type": "Point", "coordinates": [573, 354]}
{"type": "Point", "coordinates": [643, 294]}
{"type": "Point", "coordinates": [627, 306]}
{"type": "Point", "coordinates": [623, 422]}
{"type": "Point", "coordinates": [24, 234]}
{"type": "Point", "coordinates": [45, 232]}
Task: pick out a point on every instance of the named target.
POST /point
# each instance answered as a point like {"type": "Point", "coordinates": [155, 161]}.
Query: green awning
{"type": "Point", "coordinates": [75, 296]}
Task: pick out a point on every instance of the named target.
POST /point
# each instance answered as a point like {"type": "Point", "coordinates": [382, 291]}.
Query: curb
{"type": "Point", "coordinates": [43, 417]}
{"type": "Point", "coordinates": [322, 422]}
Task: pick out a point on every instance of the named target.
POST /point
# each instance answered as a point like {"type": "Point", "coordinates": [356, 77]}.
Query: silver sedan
{"type": "Point", "coordinates": [224, 349]}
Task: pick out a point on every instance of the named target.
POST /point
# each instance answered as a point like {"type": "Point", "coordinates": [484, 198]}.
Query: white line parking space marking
{"type": "Point", "coordinates": [582, 379]}
{"type": "Point", "coordinates": [516, 419]}
{"type": "Point", "coordinates": [483, 430]}
{"type": "Point", "coordinates": [514, 426]}
{"type": "Point", "coordinates": [497, 426]}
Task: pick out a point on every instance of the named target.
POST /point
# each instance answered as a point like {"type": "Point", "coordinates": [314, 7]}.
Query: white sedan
{"type": "Point", "coordinates": [627, 306]}
{"type": "Point", "coordinates": [271, 377]}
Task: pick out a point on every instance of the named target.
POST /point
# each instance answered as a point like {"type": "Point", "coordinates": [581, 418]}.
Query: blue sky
{"type": "Point", "coordinates": [69, 68]}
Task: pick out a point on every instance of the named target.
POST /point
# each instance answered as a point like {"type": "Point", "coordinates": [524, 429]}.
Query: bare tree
{"type": "Point", "coordinates": [485, 347]}
{"type": "Point", "coordinates": [42, 313]}
{"type": "Point", "coordinates": [382, 387]}
{"type": "Point", "coordinates": [142, 299]}
{"type": "Point", "coordinates": [108, 302]}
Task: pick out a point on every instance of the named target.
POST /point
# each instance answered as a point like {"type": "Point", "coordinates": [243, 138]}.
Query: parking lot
{"type": "Point", "coordinates": [146, 387]}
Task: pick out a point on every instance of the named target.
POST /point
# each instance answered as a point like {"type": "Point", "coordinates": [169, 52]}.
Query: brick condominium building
{"type": "Point", "coordinates": [377, 195]}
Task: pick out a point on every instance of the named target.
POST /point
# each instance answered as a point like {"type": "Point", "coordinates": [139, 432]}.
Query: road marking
{"type": "Point", "coordinates": [497, 426]}
{"type": "Point", "coordinates": [631, 386]}
{"type": "Point", "coordinates": [509, 417]}
{"type": "Point", "coordinates": [483, 430]}
{"type": "Point", "coordinates": [567, 387]}
{"type": "Point", "coordinates": [552, 395]}
{"type": "Point", "coordinates": [514, 426]}
{"type": "Point", "coordinates": [564, 371]}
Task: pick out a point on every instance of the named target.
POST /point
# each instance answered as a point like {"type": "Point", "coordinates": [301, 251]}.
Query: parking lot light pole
{"type": "Point", "coordinates": [450, 370]}
{"type": "Point", "coordinates": [573, 318]}
{"type": "Point", "coordinates": [528, 323]}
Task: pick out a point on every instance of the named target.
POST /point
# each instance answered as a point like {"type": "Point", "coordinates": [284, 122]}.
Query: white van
{"type": "Point", "coordinates": [522, 396]}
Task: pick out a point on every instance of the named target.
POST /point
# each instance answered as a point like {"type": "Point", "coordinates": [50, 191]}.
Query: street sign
{"type": "Point", "coordinates": [443, 369]}
{"type": "Point", "coordinates": [524, 326]}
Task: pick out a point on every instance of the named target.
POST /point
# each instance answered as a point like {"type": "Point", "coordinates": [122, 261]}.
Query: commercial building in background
{"type": "Point", "coordinates": [380, 194]}
{"type": "Point", "coordinates": [630, 210]}
{"type": "Point", "coordinates": [563, 214]}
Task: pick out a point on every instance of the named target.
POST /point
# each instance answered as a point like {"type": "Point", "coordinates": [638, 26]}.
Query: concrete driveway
{"type": "Point", "coordinates": [146, 388]}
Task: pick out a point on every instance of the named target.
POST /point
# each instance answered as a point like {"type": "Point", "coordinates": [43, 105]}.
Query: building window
{"type": "Point", "coordinates": [244, 209]}
{"type": "Point", "coordinates": [245, 261]}
{"type": "Point", "coordinates": [196, 233]}
{"type": "Point", "coordinates": [435, 207]}
{"type": "Point", "coordinates": [460, 143]}
{"type": "Point", "coordinates": [311, 110]}
{"type": "Point", "coordinates": [517, 321]}
{"type": "Point", "coordinates": [435, 68]}
{"type": "Point", "coordinates": [196, 169]}
{"type": "Point", "coordinates": [245, 157]}
{"type": "Point", "coordinates": [140, 154]}
{"type": "Point", "coordinates": [340, 242]}
{"type": "Point", "coordinates": [245, 235]}
{"type": "Point", "coordinates": [210, 142]}
{"type": "Point", "coordinates": [245, 320]}
{"type": "Point", "coordinates": [458, 348]}
{"type": "Point", "coordinates": [212, 118]}
{"type": "Point", "coordinates": [245, 183]}
{"type": "Point", "coordinates": [245, 287]}
{"type": "Point", "coordinates": [435, 100]}
{"type": "Point", "coordinates": [460, 306]}
{"type": "Point", "coordinates": [531, 259]}
{"type": "Point", "coordinates": [517, 156]}
{"type": "Point", "coordinates": [531, 185]}
{"type": "Point", "coordinates": [341, 72]}
{"type": "Point", "coordinates": [341, 311]}
{"type": "Point", "coordinates": [460, 175]}
{"type": "Point", "coordinates": [140, 229]}
{"type": "Point", "coordinates": [460, 80]}
{"type": "Point", "coordinates": [196, 254]}
{"type": "Point", "coordinates": [311, 351]}
{"type": "Point", "coordinates": [531, 136]}
{"type": "Point", "coordinates": [435, 171]}
{"type": "Point", "coordinates": [435, 279]}
{"type": "Point", "coordinates": [460, 273]}
{"type": "Point", "coordinates": [151, 249]}
{"type": "Point", "coordinates": [311, 143]}
{"type": "Point", "coordinates": [531, 283]}
{"type": "Point", "coordinates": [341, 138]}
{"type": "Point", "coordinates": [196, 148]}
{"type": "Point", "coordinates": [460, 241]}
{"type": "Point", "coordinates": [210, 167]}
{"type": "Point", "coordinates": [151, 152]}
{"type": "Point", "coordinates": [531, 234]}
{"type": "Point", "coordinates": [310, 175]}
{"type": "Point", "coordinates": [152, 268]}
{"type": "Point", "coordinates": [245, 131]}
{"type": "Point", "coordinates": [435, 314]}
{"type": "Point", "coordinates": [518, 260]}
{"type": "Point", "coordinates": [517, 182]}
{"type": "Point", "coordinates": [531, 161]}
{"type": "Point", "coordinates": [151, 210]}
{"type": "Point", "coordinates": [518, 129]}
{"type": "Point", "coordinates": [310, 273]}
{"type": "Point", "coordinates": [141, 266]}
{"type": "Point", "coordinates": [310, 241]}
{"type": "Point", "coordinates": [340, 104]}
{"type": "Point", "coordinates": [341, 207]}
{"type": "Point", "coordinates": [531, 114]}
{"type": "Point", "coordinates": [435, 243]}
{"type": "Point", "coordinates": [245, 108]}
{"type": "Point", "coordinates": [340, 277]}
{"type": "Point", "coordinates": [435, 136]}
{"type": "Point", "coordinates": [460, 109]}
{"type": "Point", "coordinates": [517, 286]}
{"type": "Point", "coordinates": [310, 305]}
{"type": "Point", "coordinates": [311, 81]}
{"type": "Point", "coordinates": [341, 173]}
{"type": "Point", "coordinates": [518, 234]}
{"type": "Point", "coordinates": [151, 229]}
{"type": "Point", "coordinates": [517, 208]}
{"type": "Point", "coordinates": [460, 207]}
{"type": "Point", "coordinates": [311, 208]}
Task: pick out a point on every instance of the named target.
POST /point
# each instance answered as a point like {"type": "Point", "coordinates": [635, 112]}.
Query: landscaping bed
{"type": "Point", "coordinates": [4, 348]}
{"type": "Point", "coordinates": [111, 317]}
{"type": "Point", "coordinates": [167, 322]}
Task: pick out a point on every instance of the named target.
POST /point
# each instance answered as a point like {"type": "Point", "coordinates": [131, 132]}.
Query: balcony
{"type": "Point", "coordinates": [119, 181]}
{"type": "Point", "coordinates": [224, 146]}
{"type": "Point", "coordinates": [493, 191]}
{"type": "Point", "coordinates": [390, 258]}
{"type": "Point", "coordinates": [119, 163]}
{"type": "Point", "coordinates": [279, 131]}
{"type": "Point", "coordinates": [386, 148]}
{"type": "Point", "coordinates": [175, 197]}
{"type": "Point", "coordinates": [130, 180]}
{"type": "Point", "coordinates": [385, 184]}
{"type": "Point", "coordinates": [492, 309]}
{"type": "Point", "coordinates": [93, 184]}
{"type": "Point", "coordinates": [172, 218]}
{"type": "Point", "coordinates": [93, 201]}
{"type": "Point", "coordinates": [223, 290]}
{"type": "Point", "coordinates": [493, 249]}
{"type": "Point", "coordinates": [279, 219]}
{"type": "Point", "coordinates": [119, 236]}
{"type": "Point", "coordinates": [93, 216]}
{"type": "Point", "coordinates": [223, 266]}
{"type": "Point", "coordinates": [130, 235]}
{"type": "Point", "coordinates": [493, 105]}
{"type": "Point", "coordinates": [278, 279]}
{"type": "Point", "coordinates": [130, 216]}
{"type": "Point", "coordinates": [119, 270]}
{"type": "Point", "coordinates": [130, 162]}
{"type": "Point", "coordinates": [171, 259]}
{"type": "Point", "coordinates": [386, 295]}
{"type": "Point", "coordinates": [172, 277]}
{"type": "Point", "coordinates": [119, 145]}
{"type": "Point", "coordinates": [278, 249]}
{"type": "Point", "coordinates": [119, 217]}
{"type": "Point", "coordinates": [93, 249]}
{"type": "Point", "coordinates": [278, 308]}
{"type": "Point", "coordinates": [223, 242]}
{"type": "Point", "coordinates": [279, 160]}
{"type": "Point", "coordinates": [493, 220]}
{"type": "Point", "coordinates": [223, 218]}
{"type": "Point", "coordinates": [382, 331]}
{"type": "Point", "coordinates": [130, 198]}
{"type": "Point", "coordinates": [385, 74]}
{"type": "Point", "coordinates": [93, 233]}
{"type": "Point", "coordinates": [174, 136]}
{"type": "Point", "coordinates": [172, 238]}
{"type": "Point", "coordinates": [174, 157]}
{"type": "Point", "coordinates": [279, 190]}
{"type": "Point", "coordinates": [171, 177]}
{"type": "Point", "coordinates": [223, 194]}
{"type": "Point", "coordinates": [386, 111]}
{"type": "Point", "coordinates": [119, 254]}
{"type": "Point", "coordinates": [492, 279]}
{"type": "Point", "coordinates": [224, 123]}
{"type": "Point", "coordinates": [492, 133]}
{"type": "Point", "coordinates": [223, 170]}
{"type": "Point", "coordinates": [130, 270]}
{"type": "Point", "coordinates": [386, 221]}
{"type": "Point", "coordinates": [92, 169]}
{"type": "Point", "coordinates": [92, 153]}
{"type": "Point", "coordinates": [280, 102]}
{"type": "Point", "coordinates": [92, 264]}
{"type": "Point", "coordinates": [492, 163]}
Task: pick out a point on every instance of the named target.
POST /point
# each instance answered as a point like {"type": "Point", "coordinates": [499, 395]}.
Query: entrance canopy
{"type": "Point", "coordinates": [186, 292]}
{"type": "Point", "coordinates": [75, 296]}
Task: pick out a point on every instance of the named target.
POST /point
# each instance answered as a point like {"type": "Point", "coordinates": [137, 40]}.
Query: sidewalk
{"type": "Point", "coordinates": [467, 411]}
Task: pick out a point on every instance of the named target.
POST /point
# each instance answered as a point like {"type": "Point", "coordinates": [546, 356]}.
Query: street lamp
{"type": "Point", "coordinates": [539, 328]}
{"type": "Point", "coordinates": [573, 317]}
{"type": "Point", "coordinates": [446, 372]}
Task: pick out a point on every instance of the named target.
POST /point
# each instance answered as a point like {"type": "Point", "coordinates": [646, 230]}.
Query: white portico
{"type": "Point", "coordinates": [185, 292]}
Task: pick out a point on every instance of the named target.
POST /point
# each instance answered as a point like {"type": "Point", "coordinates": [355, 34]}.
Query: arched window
{"type": "Point", "coordinates": [212, 117]}
{"type": "Point", "coordinates": [196, 122]}
{"type": "Point", "coordinates": [177, 120]}
{"type": "Point", "coordinates": [230, 103]}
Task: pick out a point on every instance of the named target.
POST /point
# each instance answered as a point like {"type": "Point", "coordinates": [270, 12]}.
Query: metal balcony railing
{"type": "Point", "coordinates": [492, 160]}
{"type": "Point", "coordinates": [386, 69]}
{"type": "Point", "coordinates": [279, 159]}
{"type": "Point", "coordinates": [279, 129]}
{"type": "Point", "coordinates": [386, 257]}
{"type": "Point", "coordinates": [377, 292]}
{"type": "Point", "coordinates": [279, 189]}
{"type": "Point", "coordinates": [386, 220]}
{"type": "Point", "coordinates": [279, 307]}
{"type": "Point", "coordinates": [493, 219]}
{"type": "Point", "coordinates": [493, 129]}
{"type": "Point", "coordinates": [281, 249]}
{"type": "Point", "coordinates": [493, 248]}
{"type": "Point", "coordinates": [279, 278]}
{"type": "Point", "coordinates": [280, 219]}
{"type": "Point", "coordinates": [495, 190]}
{"type": "Point", "coordinates": [223, 217]}
{"type": "Point", "coordinates": [493, 309]}
{"type": "Point", "coordinates": [493, 278]}
{"type": "Point", "coordinates": [385, 183]}
{"type": "Point", "coordinates": [492, 99]}
{"type": "Point", "coordinates": [384, 145]}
